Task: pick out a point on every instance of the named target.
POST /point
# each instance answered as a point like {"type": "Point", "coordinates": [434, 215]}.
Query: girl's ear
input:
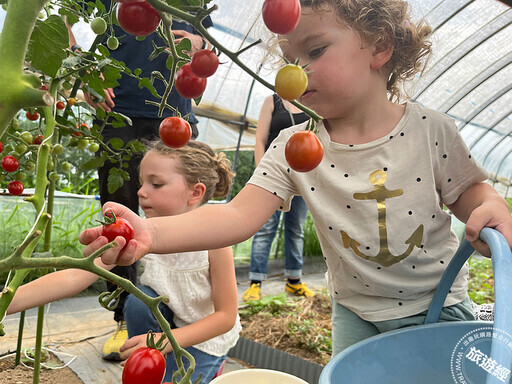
{"type": "Point", "coordinates": [381, 55]}
{"type": "Point", "coordinates": [198, 191]}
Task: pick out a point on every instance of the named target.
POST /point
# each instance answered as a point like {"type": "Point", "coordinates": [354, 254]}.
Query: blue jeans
{"type": "Point", "coordinates": [293, 242]}
{"type": "Point", "coordinates": [139, 320]}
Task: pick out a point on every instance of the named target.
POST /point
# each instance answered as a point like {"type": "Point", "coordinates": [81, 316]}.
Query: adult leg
{"type": "Point", "coordinates": [348, 328]}
{"type": "Point", "coordinates": [294, 237]}
{"type": "Point", "coordinates": [260, 249]}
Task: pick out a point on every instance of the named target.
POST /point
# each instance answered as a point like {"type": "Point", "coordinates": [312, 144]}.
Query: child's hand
{"type": "Point", "coordinates": [131, 345]}
{"type": "Point", "coordinates": [493, 215]}
{"type": "Point", "coordinates": [135, 249]}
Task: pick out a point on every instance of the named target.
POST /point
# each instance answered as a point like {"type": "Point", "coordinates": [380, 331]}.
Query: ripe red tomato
{"type": "Point", "coordinates": [204, 63]}
{"type": "Point", "coordinates": [44, 87]}
{"type": "Point", "coordinates": [10, 164]}
{"type": "Point", "coordinates": [116, 226]}
{"type": "Point", "coordinates": [15, 187]}
{"type": "Point", "coordinates": [303, 151]}
{"type": "Point", "coordinates": [291, 82]}
{"type": "Point", "coordinates": [137, 18]}
{"type": "Point", "coordinates": [145, 365]}
{"type": "Point", "coordinates": [60, 104]}
{"type": "Point", "coordinates": [32, 116]}
{"type": "Point", "coordinates": [38, 139]}
{"type": "Point", "coordinates": [175, 132]}
{"type": "Point", "coordinates": [1, 147]}
{"type": "Point", "coordinates": [82, 126]}
{"type": "Point", "coordinates": [281, 16]}
{"type": "Point", "coordinates": [187, 84]}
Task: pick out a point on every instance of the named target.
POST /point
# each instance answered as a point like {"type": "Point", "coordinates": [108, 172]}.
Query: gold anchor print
{"type": "Point", "coordinates": [381, 193]}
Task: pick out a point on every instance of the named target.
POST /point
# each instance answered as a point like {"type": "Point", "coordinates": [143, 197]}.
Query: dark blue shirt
{"type": "Point", "coordinates": [130, 100]}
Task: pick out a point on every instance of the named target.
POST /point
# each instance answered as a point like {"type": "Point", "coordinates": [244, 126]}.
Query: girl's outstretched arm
{"type": "Point", "coordinates": [212, 226]}
{"type": "Point", "coordinates": [53, 286]}
{"type": "Point", "coordinates": [225, 300]}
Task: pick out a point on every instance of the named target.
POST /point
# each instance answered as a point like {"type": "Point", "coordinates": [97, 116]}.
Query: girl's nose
{"type": "Point", "coordinates": [140, 192]}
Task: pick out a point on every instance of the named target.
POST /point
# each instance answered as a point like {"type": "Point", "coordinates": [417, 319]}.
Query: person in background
{"type": "Point", "coordinates": [275, 115]}
{"type": "Point", "coordinates": [130, 100]}
{"type": "Point", "coordinates": [377, 198]}
{"type": "Point", "coordinates": [201, 286]}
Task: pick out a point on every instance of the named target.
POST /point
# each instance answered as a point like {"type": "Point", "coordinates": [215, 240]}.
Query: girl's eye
{"type": "Point", "coordinates": [316, 52]}
{"type": "Point", "coordinates": [156, 185]}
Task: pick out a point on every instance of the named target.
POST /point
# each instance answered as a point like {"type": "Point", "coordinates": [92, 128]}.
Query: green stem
{"type": "Point", "coordinates": [39, 344]}
{"type": "Point", "coordinates": [21, 325]}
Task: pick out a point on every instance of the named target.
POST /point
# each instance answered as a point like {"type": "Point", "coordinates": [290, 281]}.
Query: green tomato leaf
{"type": "Point", "coordinates": [94, 163]}
{"type": "Point", "coordinates": [115, 180]}
{"type": "Point", "coordinates": [47, 45]}
{"type": "Point", "coordinates": [71, 61]}
{"type": "Point", "coordinates": [144, 82]}
{"type": "Point", "coordinates": [116, 143]}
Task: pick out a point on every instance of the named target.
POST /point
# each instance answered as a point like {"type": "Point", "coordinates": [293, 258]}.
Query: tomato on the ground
{"type": "Point", "coordinates": [303, 151]}
{"type": "Point", "coordinates": [15, 187]}
{"type": "Point", "coordinates": [188, 84]}
{"type": "Point", "coordinates": [175, 131]}
{"type": "Point", "coordinates": [10, 164]}
{"type": "Point", "coordinates": [291, 82]}
{"type": "Point", "coordinates": [204, 63]}
{"type": "Point", "coordinates": [137, 18]}
{"type": "Point", "coordinates": [281, 16]}
{"type": "Point", "coordinates": [145, 365]}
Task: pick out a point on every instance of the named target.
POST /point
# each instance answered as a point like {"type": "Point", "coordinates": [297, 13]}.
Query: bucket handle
{"type": "Point", "coordinates": [501, 257]}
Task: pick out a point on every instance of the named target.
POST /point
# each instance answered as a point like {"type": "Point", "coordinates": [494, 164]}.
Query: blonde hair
{"type": "Point", "coordinates": [199, 163]}
{"type": "Point", "coordinates": [385, 24]}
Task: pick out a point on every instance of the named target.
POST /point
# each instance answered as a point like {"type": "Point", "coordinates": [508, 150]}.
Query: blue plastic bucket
{"type": "Point", "coordinates": [472, 352]}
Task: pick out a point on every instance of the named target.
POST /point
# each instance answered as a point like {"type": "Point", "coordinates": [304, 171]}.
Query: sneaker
{"type": "Point", "coordinates": [112, 345]}
{"type": "Point", "coordinates": [299, 289]}
{"type": "Point", "coordinates": [253, 293]}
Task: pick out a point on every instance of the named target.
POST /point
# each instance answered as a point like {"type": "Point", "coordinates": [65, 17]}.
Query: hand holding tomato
{"type": "Point", "coordinates": [145, 365]}
{"type": "Point", "coordinates": [127, 252]}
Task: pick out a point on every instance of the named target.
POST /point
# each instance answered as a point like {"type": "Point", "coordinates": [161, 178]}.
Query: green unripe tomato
{"type": "Point", "coordinates": [20, 176]}
{"type": "Point", "coordinates": [82, 144]}
{"type": "Point", "coordinates": [99, 26]}
{"type": "Point", "coordinates": [140, 38]}
{"type": "Point", "coordinates": [58, 149]}
{"type": "Point", "coordinates": [67, 85]}
{"type": "Point", "coordinates": [54, 176]}
{"type": "Point", "coordinates": [27, 137]}
{"type": "Point", "coordinates": [15, 124]}
{"type": "Point", "coordinates": [21, 148]}
{"type": "Point", "coordinates": [66, 167]}
{"type": "Point", "coordinates": [40, 16]}
{"type": "Point", "coordinates": [30, 166]}
{"type": "Point", "coordinates": [94, 147]}
{"type": "Point", "coordinates": [112, 43]}
{"type": "Point", "coordinates": [73, 142]}
{"type": "Point", "coordinates": [50, 165]}
{"type": "Point", "coordinates": [4, 7]}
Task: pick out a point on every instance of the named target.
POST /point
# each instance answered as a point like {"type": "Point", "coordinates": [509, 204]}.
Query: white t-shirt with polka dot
{"type": "Point", "coordinates": [378, 213]}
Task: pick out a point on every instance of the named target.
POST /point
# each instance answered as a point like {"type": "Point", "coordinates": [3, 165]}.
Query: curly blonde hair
{"type": "Point", "coordinates": [199, 163]}
{"type": "Point", "coordinates": [385, 24]}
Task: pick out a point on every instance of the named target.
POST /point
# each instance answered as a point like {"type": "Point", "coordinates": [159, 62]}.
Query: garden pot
{"type": "Point", "coordinates": [257, 376]}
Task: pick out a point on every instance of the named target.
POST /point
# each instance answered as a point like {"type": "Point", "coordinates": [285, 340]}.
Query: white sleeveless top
{"type": "Point", "coordinates": [185, 279]}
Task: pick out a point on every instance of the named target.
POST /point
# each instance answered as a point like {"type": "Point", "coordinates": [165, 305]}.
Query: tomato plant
{"type": "Point", "coordinates": [145, 365]}
{"type": "Point", "coordinates": [116, 226]}
{"type": "Point", "coordinates": [188, 84]}
{"type": "Point", "coordinates": [15, 187]}
{"type": "Point", "coordinates": [303, 151]}
{"type": "Point", "coordinates": [32, 116]}
{"type": "Point", "coordinates": [10, 164]}
{"type": "Point", "coordinates": [291, 82]}
{"type": "Point", "coordinates": [281, 16]}
{"type": "Point", "coordinates": [60, 105]}
{"type": "Point", "coordinates": [204, 63]}
{"type": "Point", "coordinates": [137, 18]}
{"type": "Point", "coordinates": [175, 132]}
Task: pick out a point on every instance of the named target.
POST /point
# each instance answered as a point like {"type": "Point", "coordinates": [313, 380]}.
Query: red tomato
{"type": "Point", "coordinates": [1, 147]}
{"type": "Point", "coordinates": [15, 187]}
{"type": "Point", "coordinates": [187, 84]}
{"type": "Point", "coordinates": [137, 18]}
{"type": "Point", "coordinates": [116, 226]}
{"type": "Point", "coordinates": [32, 116]}
{"type": "Point", "coordinates": [204, 63]}
{"type": "Point", "coordinates": [175, 132]}
{"type": "Point", "coordinates": [38, 139]}
{"type": "Point", "coordinates": [281, 16]}
{"type": "Point", "coordinates": [303, 151]}
{"type": "Point", "coordinates": [43, 87]}
{"type": "Point", "coordinates": [60, 104]}
{"type": "Point", "coordinates": [10, 163]}
{"type": "Point", "coordinates": [145, 365]}
{"type": "Point", "coordinates": [82, 126]}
